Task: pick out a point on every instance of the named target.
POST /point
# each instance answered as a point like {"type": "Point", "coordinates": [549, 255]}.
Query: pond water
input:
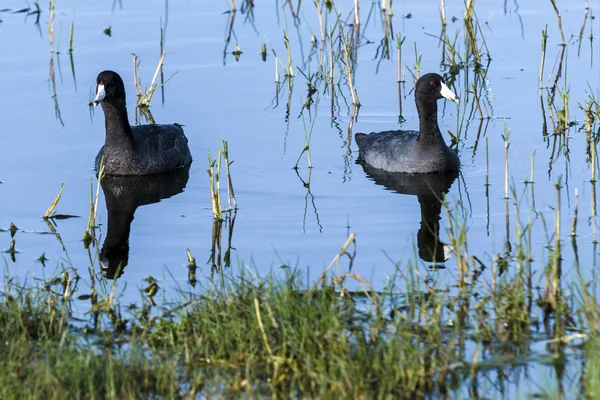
{"type": "Point", "coordinates": [295, 217]}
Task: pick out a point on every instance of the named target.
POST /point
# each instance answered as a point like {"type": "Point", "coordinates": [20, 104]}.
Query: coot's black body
{"type": "Point", "coordinates": [420, 151]}
{"type": "Point", "coordinates": [138, 150]}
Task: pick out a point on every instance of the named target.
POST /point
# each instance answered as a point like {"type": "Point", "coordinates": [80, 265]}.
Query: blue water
{"type": "Point", "coordinates": [218, 98]}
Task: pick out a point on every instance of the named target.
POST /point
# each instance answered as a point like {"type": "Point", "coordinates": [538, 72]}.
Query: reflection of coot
{"type": "Point", "coordinates": [124, 194]}
{"type": "Point", "coordinates": [430, 189]}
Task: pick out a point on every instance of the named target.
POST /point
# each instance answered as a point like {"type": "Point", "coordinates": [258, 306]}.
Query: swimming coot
{"type": "Point", "coordinates": [137, 150]}
{"type": "Point", "coordinates": [413, 151]}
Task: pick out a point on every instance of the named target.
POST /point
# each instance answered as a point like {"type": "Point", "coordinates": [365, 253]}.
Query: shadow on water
{"type": "Point", "coordinates": [123, 195]}
{"type": "Point", "coordinates": [430, 190]}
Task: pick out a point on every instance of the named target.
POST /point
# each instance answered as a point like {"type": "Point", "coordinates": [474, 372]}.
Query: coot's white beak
{"type": "Point", "coordinates": [447, 93]}
{"type": "Point", "coordinates": [100, 94]}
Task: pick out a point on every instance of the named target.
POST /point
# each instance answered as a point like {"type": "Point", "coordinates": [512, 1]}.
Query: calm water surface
{"type": "Point", "coordinates": [216, 98]}
{"type": "Point", "coordinates": [280, 221]}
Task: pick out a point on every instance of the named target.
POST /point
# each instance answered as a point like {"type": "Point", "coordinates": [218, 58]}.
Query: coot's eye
{"type": "Point", "coordinates": [432, 83]}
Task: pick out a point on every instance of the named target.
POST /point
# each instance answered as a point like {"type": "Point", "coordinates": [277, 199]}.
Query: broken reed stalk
{"type": "Point", "coordinates": [532, 159]}
{"type": "Point", "coordinates": [50, 211]}
{"type": "Point", "coordinates": [136, 82]}
{"type": "Point", "coordinates": [215, 195]}
{"type": "Point", "coordinates": [94, 199]}
{"type": "Point", "coordinates": [399, 42]}
{"type": "Point", "coordinates": [562, 35]}
{"type": "Point", "coordinates": [261, 327]}
{"type": "Point", "coordinates": [331, 64]}
{"type": "Point", "coordinates": [351, 239]}
{"type": "Point", "coordinates": [230, 193]}
{"type": "Point", "coordinates": [51, 26]}
{"type": "Point", "coordinates": [477, 100]}
{"type": "Point", "coordinates": [214, 174]}
{"type": "Point", "coordinates": [544, 42]}
{"type": "Point", "coordinates": [356, 14]}
{"type": "Point", "coordinates": [345, 38]}
{"type": "Point", "coordinates": [100, 177]}
{"type": "Point", "coordinates": [71, 33]}
{"type": "Point", "coordinates": [232, 6]}
{"type": "Point", "coordinates": [555, 274]}
{"type": "Point", "coordinates": [320, 14]}
{"type": "Point", "coordinates": [457, 241]}
{"type": "Point", "coordinates": [144, 97]}
{"type": "Point", "coordinates": [88, 235]}
{"type": "Point", "coordinates": [487, 162]}
{"type": "Point", "coordinates": [418, 57]}
{"type": "Point", "coordinates": [386, 6]}
{"type": "Point", "coordinates": [505, 137]}
{"type": "Point", "coordinates": [290, 69]}
{"type": "Point", "coordinates": [593, 144]}
{"type": "Point", "coordinates": [443, 12]}
{"type": "Point", "coordinates": [575, 212]}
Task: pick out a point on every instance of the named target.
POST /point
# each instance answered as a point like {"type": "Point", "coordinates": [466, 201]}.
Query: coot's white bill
{"type": "Point", "coordinates": [100, 94]}
{"type": "Point", "coordinates": [447, 93]}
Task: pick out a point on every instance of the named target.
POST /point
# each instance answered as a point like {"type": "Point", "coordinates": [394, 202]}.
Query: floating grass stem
{"type": "Point", "coordinates": [50, 211]}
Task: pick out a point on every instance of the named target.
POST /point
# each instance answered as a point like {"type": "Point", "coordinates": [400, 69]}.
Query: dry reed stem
{"type": "Point", "coordinates": [262, 328]}
{"type": "Point", "coordinates": [562, 35]}
{"type": "Point", "coordinates": [56, 200]}
{"type": "Point", "coordinates": [351, 239]}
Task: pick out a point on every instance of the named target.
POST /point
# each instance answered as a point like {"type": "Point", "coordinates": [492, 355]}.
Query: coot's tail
{"type": "Point", "coordinates": [360, 138]}
{"type": "Point", "coordinates": [360, 142]}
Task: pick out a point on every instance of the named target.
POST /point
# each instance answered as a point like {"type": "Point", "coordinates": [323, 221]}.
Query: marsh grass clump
{"type": "Point", "coordinates": [43, 355]}
{"type": "Point", "coordinates": [281, 335]}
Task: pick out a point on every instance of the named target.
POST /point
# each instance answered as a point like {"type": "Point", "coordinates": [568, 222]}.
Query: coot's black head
{"type": "Point", "coordinates": [431, 87]}
{"type": "Point", "coordinates": [109, 87]}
